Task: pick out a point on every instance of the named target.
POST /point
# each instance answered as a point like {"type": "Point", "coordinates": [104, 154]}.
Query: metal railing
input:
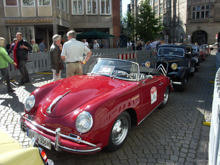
{"type": "Point", "coordinates": [40, 62]}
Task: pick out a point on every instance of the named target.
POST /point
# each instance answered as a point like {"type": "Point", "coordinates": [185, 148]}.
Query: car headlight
{"type": "Point", "coordinates": [29, 103]}
{"type": "Point", "coordinates": [174, 66]}
{"type": "Point", "coordinates": [147, 64]}
{"type": "Point", "coordinates": [84, 122]}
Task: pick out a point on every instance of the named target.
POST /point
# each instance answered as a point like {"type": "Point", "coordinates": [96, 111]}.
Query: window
{"type": "Point", "coordinates": [77, 7]}
{"type": "Point", "coordinates": [67, 5]}
{"type": "Point", "coordinates": [62, 5]}
{"type": "Point", "coordinates": [44, 2]}
{"type": "Point", "coordinates": [58, 3]}
{"type": "Point", "coordinates": [200, 12]}
{"type": "Point", "coordinates": [28, 3]}
{"type": "Point", "coordinates": [161, 8]}
{"type": "Point", "coordinates": [105, 6]}
{"type": "Point", "coordinates": [11, 2]}
{"type": "Point", "coordinates": [156, 10]}
{"type": "Point", "coordinates": [151, 2]}
{"type": "Point", "coordinates": [91, 7]}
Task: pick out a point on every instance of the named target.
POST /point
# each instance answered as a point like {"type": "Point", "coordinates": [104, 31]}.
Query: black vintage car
{"type": "Point", "coordinates": [176, 62]}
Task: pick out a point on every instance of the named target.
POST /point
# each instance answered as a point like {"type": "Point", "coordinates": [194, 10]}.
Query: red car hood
{"type": "Point", "coordinates": [78, 90]}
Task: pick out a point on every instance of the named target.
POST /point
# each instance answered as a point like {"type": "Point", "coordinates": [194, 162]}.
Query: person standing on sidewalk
{"type": "Point", "coordinates": [4, 60]}
{"type": "Point", "coordinates": [72, 53]}
{"type": "Point", "coordinates": [20, 57]}
{"type": "Point", "coordinates": [55, 58]}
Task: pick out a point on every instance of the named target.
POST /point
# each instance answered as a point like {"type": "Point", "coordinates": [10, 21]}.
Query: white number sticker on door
{"type": "Point", "coordinates": [153, 93]}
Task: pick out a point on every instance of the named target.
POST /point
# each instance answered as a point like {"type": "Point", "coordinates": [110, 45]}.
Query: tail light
{"type": "Point", "coordinates": [43, 155]}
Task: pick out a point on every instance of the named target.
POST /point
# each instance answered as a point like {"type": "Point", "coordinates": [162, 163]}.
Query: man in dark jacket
{"type": "Point", "coordinates": [55, 57]}
{"type": "Point", "coordinates": [20, 56]}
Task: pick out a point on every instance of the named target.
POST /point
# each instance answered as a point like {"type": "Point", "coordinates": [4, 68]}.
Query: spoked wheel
{"type": "Point", "coordinates": [166, 98]}
{"type": "Point", "coordinates": [119, 132]}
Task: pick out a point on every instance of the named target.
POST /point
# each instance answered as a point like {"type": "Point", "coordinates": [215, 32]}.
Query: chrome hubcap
{"type": "Point", "coordinates": [120, 130]}
{"type": "Point", "coordinates": [166, 96]}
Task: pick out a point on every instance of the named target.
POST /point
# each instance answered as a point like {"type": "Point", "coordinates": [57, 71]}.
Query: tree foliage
{"type": "Point", "coordinates": [146, 25]}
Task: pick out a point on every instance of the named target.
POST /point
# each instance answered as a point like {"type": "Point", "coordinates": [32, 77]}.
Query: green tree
{"type": "Point", "coordinates": [146, 25]}
{"type": "Point", "coordinates": [129, 21]}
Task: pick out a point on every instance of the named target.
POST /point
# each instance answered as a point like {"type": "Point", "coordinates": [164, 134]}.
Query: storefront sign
{"type": "Point", "coordinates": [28, 21]}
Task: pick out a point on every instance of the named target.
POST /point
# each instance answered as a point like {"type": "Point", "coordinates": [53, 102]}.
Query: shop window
{"type": "Point", "coordinates": [28, 3]}
{"type": "Point", "coordinates": [11, 2]}
{"type": "Point", "coordinates": [105, 6]}
{"type": "Point", "coordinates": [44, 2]}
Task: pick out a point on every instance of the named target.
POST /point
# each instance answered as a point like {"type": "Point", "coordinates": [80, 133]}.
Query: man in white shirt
{"type": "Point", "coordinates": [72, 53]}
{"type": "Point", "coordinates": [95, 45]}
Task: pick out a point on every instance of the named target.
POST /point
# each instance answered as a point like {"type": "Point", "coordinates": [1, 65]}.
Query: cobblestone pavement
{"type": "Point", "coordinates": [173, 135]}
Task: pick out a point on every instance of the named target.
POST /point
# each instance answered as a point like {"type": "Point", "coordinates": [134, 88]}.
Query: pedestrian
{"type": "Point", "coordinates": [4, 60]}
{"type": "Point", "coordinates": [95, 45]}
{"type": "Point", "coordinates": [20, 57]}
{"type": "Point", "coordinates": [148, 46]}
{"type": "Point", "coordinates": [105, 45]}
{"type": "Point", "coordinates": [55, 58]}
{"type": "Point", "coordinates": [14, 43]}
{"type": "Point", "coordinates": [72, 53]}
{"type": "Point", "coordinates": [8, 48]}
{"type": "Point", "coordinates": [34, 46]}
{"type": "Point", "coordinates": [85, 43]}
{"type": "Point", "coordinates": [42, 46]}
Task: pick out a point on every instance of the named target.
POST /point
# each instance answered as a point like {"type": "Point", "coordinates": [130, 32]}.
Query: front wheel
{"type": "Point", "coordinates": [119, 132]}
{"type": "Point", "coordinates": [165, 100]}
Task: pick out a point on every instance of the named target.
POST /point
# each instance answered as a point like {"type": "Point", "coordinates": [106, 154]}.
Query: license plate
{"type": "Point", "coordinates": [43, 141]}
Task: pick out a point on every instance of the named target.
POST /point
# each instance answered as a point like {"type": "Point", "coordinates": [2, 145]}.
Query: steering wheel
{"type": "Point", "coordinates": [120, 73]}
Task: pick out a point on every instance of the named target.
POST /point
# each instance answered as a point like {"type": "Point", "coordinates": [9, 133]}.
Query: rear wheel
{"type": "Point", "coordinates": [119, 132]}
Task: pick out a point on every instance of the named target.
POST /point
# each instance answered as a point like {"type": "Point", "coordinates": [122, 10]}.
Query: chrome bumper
{"type": "Point", "coordinates": [176, 83]}
{"type": "Point", "coordinates": [57, 144]}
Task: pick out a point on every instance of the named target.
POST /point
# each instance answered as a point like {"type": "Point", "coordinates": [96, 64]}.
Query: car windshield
{"type": "Point", "coordinates": [121, 69]}
{"type": "Point", "coordinates": [169, 51]}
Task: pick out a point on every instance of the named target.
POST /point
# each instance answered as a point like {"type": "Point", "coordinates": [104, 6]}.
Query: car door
{"type": "Point", "coordinates": [151, 94]}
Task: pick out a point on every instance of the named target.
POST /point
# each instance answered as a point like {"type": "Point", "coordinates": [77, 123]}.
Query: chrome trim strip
{"type": "Point", "coordinates": [77, 151]}
{"type": "Point", "coordinates": [55, 101]}
{"type": "Point", "coordinates": [148, 114]}
{"type": "Point", "coordinates": [177, 83]}
{"type": "Point", "coordinates": [78, 139]}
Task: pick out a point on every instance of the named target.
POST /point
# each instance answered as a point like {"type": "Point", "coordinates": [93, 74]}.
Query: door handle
{"type": "Point", "coordinates": [161, 83]}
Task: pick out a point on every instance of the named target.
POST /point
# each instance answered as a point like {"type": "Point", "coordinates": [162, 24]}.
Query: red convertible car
{"type": "Point", "coordinates": [82, 114]}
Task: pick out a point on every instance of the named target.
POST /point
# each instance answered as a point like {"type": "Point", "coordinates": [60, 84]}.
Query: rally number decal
{"type": "Point", "coordinates": [153, 93]}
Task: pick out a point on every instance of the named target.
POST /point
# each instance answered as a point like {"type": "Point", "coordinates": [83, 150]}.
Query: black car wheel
{"type": "Point", "coordinates": [166, 98]}
{"type": "Point", "coordinates": [119, 132]}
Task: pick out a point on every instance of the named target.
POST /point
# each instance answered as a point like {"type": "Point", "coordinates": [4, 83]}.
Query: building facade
{"type": "Point", "coordinates": [203, 21]}
{"type": "Point", "coordinates": [40, 19]}
{"type": "Point", "coordinates": [188, 21]}
{"type": "Point", "coordinates": [173, 17]}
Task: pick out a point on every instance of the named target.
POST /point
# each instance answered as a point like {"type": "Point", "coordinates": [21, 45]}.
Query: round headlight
{"type": "Point", "coordinates": [29, 103]}
{"type": "Point", "coordinates": [174, 66]}
{"type": "Point", "coordinates": [84, 122]}
{"type": "Point", "coordinates": [147, 64]}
